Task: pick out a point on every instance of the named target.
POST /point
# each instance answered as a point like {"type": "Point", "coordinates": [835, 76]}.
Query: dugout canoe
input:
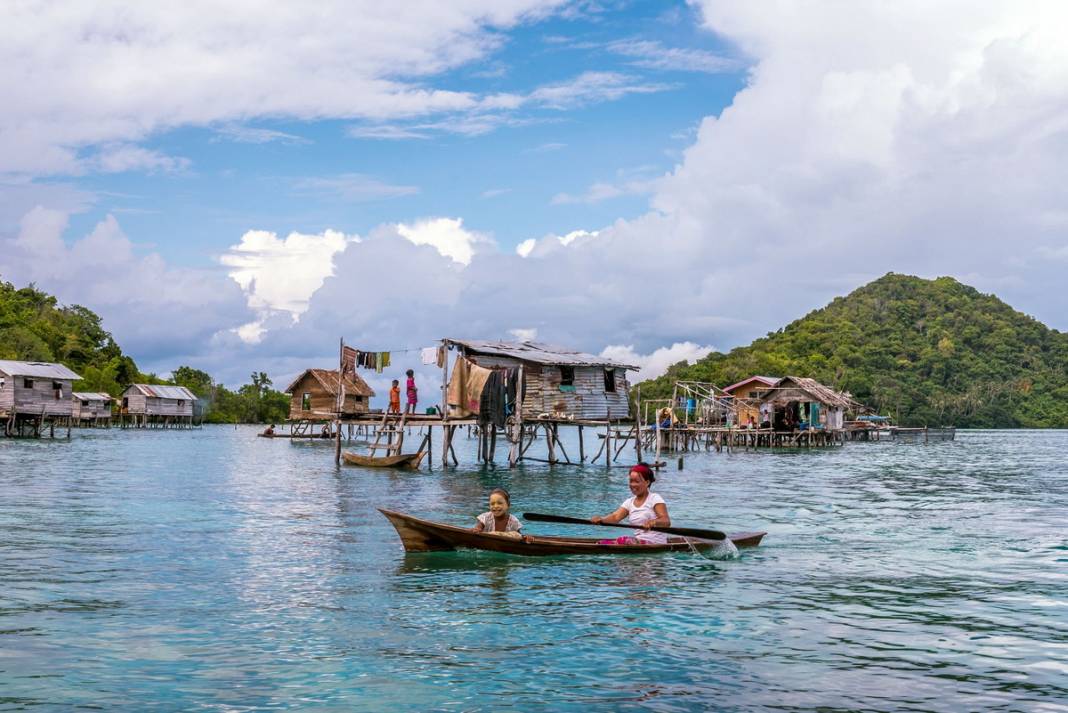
{"type": "Point", "coordinates": [418, 535]}
{"type": "Point", "coordinates": [406, 460]}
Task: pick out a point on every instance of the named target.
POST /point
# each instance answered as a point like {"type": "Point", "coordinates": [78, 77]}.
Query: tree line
{"type": "Point", "coordinates": [35, 327]}
{"type": "Point", "coordinates": [925, 352]}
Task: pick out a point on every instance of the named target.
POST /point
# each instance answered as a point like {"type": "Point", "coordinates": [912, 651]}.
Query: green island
{"type": "Point", "coordinates": [35, 327]}
{"type": "Point", "coordinates": [925, 352]}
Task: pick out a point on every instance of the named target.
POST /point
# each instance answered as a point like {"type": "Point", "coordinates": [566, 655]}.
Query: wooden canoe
{"type": "Point", "coordinates": [419, 535]}
{"type": "Point", "coordinates": [405, 460]}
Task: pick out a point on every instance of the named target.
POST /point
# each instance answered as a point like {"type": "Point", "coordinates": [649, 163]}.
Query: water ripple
{"type": "Point", "coordinates": [216, 571]}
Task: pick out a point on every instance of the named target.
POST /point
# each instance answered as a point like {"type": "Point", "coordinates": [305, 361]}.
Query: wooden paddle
{"type": "Point", "coordinates": [681, 531]}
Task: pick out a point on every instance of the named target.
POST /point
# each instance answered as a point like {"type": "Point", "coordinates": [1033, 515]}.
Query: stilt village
{"type": "Point", "coordinates": [514, 397]}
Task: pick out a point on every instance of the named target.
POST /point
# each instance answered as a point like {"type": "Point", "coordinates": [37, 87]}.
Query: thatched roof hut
{"type": "Point", "coordinates": [805, 400]}
{"type": "Point", "coordinates": [313, 395]}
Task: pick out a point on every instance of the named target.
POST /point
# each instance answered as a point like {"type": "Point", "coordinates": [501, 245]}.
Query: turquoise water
{"type": "Point", "coordinates": [212, 570]}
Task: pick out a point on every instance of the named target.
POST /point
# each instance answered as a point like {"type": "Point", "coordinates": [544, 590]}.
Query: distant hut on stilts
{"type": "Point", "coordinates": [91, 408]}
{"type": "Point", "coordinates": [34, 395]}
{"type": "Point", "coordinates": [157, 406]}
{"type": "Point", "coordinates": [313, 398]}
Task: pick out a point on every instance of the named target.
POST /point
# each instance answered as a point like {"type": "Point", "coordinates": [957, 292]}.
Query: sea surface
{"type": "Point", "coordinates": [210, 570]}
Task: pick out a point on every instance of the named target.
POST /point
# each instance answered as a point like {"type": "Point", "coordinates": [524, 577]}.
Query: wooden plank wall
{"type": "Point", "coordinates": [155, 406]}
{"type": "Point", "coordinates": [95, 409]}
{"type": "Point", "coordinates": [135, 402]}
{"type": "Point", "coordinates": [41, 396]}
{"type": "Point", "coordinates": [7, 392]}
{"type": "Point", "coordinates": [588, 401]}
{"type": "Point", "coordinates": [323, 401]}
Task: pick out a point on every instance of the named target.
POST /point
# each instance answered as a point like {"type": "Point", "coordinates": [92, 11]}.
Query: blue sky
{"type": "Point", "coordinates": [649, 180]}
{"type": "Point", "coordinates": [502, 181]}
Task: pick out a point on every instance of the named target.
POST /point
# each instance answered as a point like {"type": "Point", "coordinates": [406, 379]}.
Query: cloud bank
{"type": "Point", "coordinates": [870, 137]}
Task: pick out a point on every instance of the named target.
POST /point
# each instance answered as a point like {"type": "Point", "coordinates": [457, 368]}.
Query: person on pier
{"type": "Point", "coordinates": [394, 398]}
{"type": "Point", "coordinates": [644, 509]}
{"type": "Point", "coordinates": [411, 392]}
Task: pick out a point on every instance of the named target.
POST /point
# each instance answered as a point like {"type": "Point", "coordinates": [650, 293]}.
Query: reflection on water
{"type": "Point", "coordinates": [211, 569]}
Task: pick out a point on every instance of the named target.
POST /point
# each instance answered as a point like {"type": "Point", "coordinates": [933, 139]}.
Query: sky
{"type": "Point", "coordinates": [237, 186]}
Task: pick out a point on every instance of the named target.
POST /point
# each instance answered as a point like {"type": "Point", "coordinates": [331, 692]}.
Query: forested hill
{"type": "Point", "coordinates": [35, 327]}
{"type": "Point", "coordinates": [923, 351]}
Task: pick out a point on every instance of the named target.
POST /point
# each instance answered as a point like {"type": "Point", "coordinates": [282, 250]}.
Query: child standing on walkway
{"type": "Point", "coordinates": [394, 398]}
{"type": "Point", "coordinates": [413, 393]}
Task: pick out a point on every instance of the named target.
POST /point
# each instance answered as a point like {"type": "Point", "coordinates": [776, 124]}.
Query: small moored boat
{"type": "Point", "coordinates": [419, 535]}
{"type": "Point", "coordinates": [405, 460]}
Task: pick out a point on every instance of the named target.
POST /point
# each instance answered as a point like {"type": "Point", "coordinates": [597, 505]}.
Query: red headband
{"type": "Point", "coordinates": [644, 471]}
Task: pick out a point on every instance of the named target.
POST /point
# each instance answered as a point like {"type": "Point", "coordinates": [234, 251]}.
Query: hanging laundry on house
{"type": "Point", "coordinates": [386, 359]}
{"type": "Point", "coordinates": [442, 356]}
{"type": "Point", "coordinates": [429, 355]}
{"type": "Point", "coordinates": [465, 387]}
{"type": "Point", "coordinates": [348, 361]}
{"type": "Point", "coordinates": [493, 405]}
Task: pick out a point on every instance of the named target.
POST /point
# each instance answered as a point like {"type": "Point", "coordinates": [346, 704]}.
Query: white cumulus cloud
{"type": "Point", "coordinates": [656, 363]}
{"type": "Point", "coordinates": [447, 235]}
{"type": "Point", "coordinates": [280, 275]}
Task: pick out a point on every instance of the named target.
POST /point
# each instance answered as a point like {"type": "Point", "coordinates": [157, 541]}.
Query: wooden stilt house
{"type": "Point", "coordinates": [557, 382]}
{"type": "Point", "coordinates": [802, 403]}
{"type": "Point", "coordinates": [157, 405]}
{"type": "Point", "coordinates": [747, 395]}
{"type": "Point", "coordinates": [91, 408]}
{"type": "Point", "coordinates": [34, 391]}
{"type": "Point", "coordinates": [313, 396]}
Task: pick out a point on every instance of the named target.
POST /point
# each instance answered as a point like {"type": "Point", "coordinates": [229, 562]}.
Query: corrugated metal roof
{"type": "Point", "coordinates": [327, 378]}
{"type": "Point", "coordinates": [538, 353]}
{"type": "Point", "coordinates": [766, 380]}
{"type": "Point", "coordinates": [91, 396]}
{"type": "Point", "coordinates": [164, 392]}
{"type": "Point", "coordinates": [40, 369]}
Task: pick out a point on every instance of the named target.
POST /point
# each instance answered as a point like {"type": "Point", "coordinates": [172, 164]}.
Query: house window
{"type": "Point", "coordinates": [567, 376]}
{"type": "Point", "coordinates": [2, 382]}
{"type": "Point", "coordinates": [27, 383]}
{"type": "Point", "coordinates": [305, 402]}
{"type": "Point", "coordinates": [181, 402]}
{"type": "Point", "coordinates": [85, 403]}
{"type": "Point", "coordinates": [58, 388]}
{"type": "Point", "coordinates": [610, 381]}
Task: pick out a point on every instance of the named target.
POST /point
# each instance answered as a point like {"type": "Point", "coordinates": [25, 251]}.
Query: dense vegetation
{"type": "Point", "coordinates": [923, 351]}
{"type": "Point", "coordinates": [35, 327]}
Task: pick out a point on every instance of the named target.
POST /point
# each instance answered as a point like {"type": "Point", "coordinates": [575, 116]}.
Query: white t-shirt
{"type": "Point", "coordinates": [639, 515]}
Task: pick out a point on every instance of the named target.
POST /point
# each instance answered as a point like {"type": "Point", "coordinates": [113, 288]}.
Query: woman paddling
{"type": "Point", "coordinates": [644, 509]}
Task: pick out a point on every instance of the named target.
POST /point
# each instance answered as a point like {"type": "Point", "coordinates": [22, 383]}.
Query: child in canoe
{"type": "Point", "coordinates": [498, 521]}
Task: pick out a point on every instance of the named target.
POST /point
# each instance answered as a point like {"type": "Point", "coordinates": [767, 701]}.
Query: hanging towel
{"type": "Point", "coordinates": [441, 356]}
{"type": "Point", "coordinates": [465, 387]}
{"type": "Point", "coordinates": [385, 359]}
{"type": "Point", "coordinates": [378, 362]}
{"type": "Point", "coordinates": [429, 355]}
